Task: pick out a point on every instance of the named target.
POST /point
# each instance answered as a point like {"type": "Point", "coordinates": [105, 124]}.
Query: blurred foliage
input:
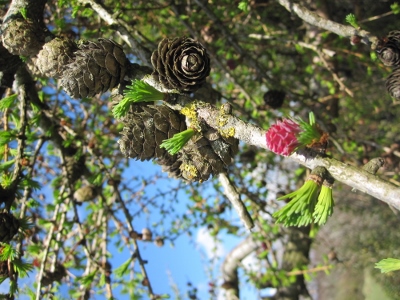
{"type": "Point", "coordinates": [255, 46]}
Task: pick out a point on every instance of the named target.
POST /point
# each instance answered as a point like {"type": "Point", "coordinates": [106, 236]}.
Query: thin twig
{"type": "Point", "coordinates": [233, 42]}
{"type": "Point", "coordinates": [335, 76]}
{"type": "Point", "coordinates": [320, 52]}
{"type": "Point", "coordinates": [389, 13]}
{"type": "Point", "coordinates": [312, 270]}
{"type": "Point", "coordinates": [128, 218]}
{"type": "Point", "coordinates": [125, 33]}
{"type": "Point", "coordinates": [237, 203]}
{"type": "Point", "coordinates": [28, 189]}
{"type": "Point", "coordinates": [21, 138]}
{"type": "Point", "coordinates": [106, 272]}
{"type": "Point", "coordinates": [47, 244]}
{"type": "Point", "coordinates": [316, 20]}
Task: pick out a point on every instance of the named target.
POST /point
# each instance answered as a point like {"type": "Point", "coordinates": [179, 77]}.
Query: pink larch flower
{"type": "Point", "coordinates": [282, 137]}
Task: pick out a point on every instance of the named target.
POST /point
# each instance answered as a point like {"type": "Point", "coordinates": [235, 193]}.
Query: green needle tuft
{"type": "Point", "coordinates": [174, 144]}
{"type": "Point", "coordinates": [388, 265]}
{"type": "Point", "coordinates": [351, 19]}
{"type": "Point", "coordinates": [324, 208]}
{"type": "Point", "coordinates": [299, 211]}
{"type": "Point", "coordinates": [139, 91]}
{"type": "Point", "coordinates": [310, 131]}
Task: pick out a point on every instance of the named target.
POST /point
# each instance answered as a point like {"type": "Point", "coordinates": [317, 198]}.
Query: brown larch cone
{"type": "Point", "coordinates": [9, 226]}
{"type": "Point", "coordinates": [206, 155]}
{"type": "Point", "coordinates": [388, 49]}
{"type": "Point", "coordinates": [274, 98]}
{"type": "Point", "coordinates": [96, 68]}
{"type": "Point", "coordinates": [23, 37]}
{"type": "Point", "coordinates": [393, 83]}
{"type": "Point", "coordinates": [58, 274]}
{"type": "Point", "coordinates": [181, 63]}
{"type": "Point", "coordinates": [146, 127]}
{"type": "Point", "coordinates": [54, 56]}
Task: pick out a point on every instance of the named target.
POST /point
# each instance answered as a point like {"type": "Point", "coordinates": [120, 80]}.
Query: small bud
{"type": "Point", "coordinates": [147, 234]}
{"type": "Point", "coordinates": [24, 162]}
{"type": "Point", "coordinates": [159, 241]}
{"type": "Point", "coordinates": [135, 235]}
{"type": "Point", "coordinates": [85, 193]}
{"type": "Point", "coordinates": [145, 282]}
{"type": "Point", "coordinates": [372, 166]}
{"type": "Point", "coordinates": [355, 40]}
{"type": "Point", "coordinates": [107, 268]}
{"type": "Point", "coordinates": [114, 181]}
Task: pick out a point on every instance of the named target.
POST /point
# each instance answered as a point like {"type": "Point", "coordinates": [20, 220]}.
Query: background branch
{"type": "Point", "coordinates": [126, 34]}
{"type": "Point", "coordinates": [316, 20]}
{"type": "Point", "coordinates": [231, 264]}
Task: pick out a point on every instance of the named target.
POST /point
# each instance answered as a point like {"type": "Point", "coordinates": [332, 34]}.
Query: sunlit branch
{"type": "Point", "coordinates": [231, 265]}
{"type": "Point", "coordinates": [349, 175]}
{"type": "Point", "coordinates": [34, 9]}
{"type": "Point", "coordinates": [237, 203]}
{"type": "Point", "coordinates": [85, 288]}
{"type": "Point", "coordinates": [389, 13]}
{"type": "Point", "coordinates": [58, 238]}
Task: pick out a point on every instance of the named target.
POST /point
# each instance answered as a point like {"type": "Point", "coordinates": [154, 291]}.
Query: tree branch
{"type": "Point", "coordinates": [231, 264]}
{"type": "Point", "coordinates": [316, 20]}
{"type": "Point", "coordinates": [349, 175]}
{"type": "Point", "coordinates": [142, 52]}
{"type": "Point", "coordinates": [234, 197]}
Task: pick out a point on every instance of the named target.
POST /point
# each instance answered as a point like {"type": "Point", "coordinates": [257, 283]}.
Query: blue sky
{"type": "Point", "coordinates": [195, 259]}
{"type": "Point", "coordinates": [189, 259]}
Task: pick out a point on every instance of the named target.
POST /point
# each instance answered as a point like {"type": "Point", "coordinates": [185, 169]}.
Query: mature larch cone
{"type": "Point", "coordinates": [57, 275]}
{"type": "Point", "coordinates": [146, 127]}
{"type": "Point", "coordinates": [207, 155]}
{"type": "Point", "coordinates": [96, 68]}
{"type": "Point", "coordinates": [9, 226]}
{"type": "Point", "coordinates": [393, 83]}
{"type": "Point", "coordinates": [389, 49]}
{"type": "Point", "coordinates": [274, 98]}
{"type": "Point", "coordinates": [23, 37]}
{"type": "Point", "coordinates": [54, 56]}
{"type": "Point", "coordinates": [181, 63]}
